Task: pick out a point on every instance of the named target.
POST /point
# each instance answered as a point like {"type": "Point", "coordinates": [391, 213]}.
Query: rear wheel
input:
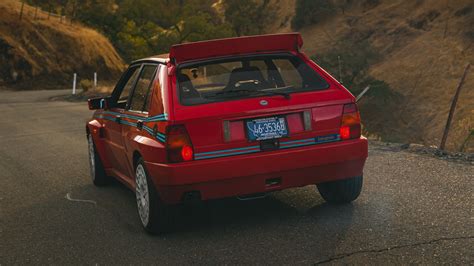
{"type": "Point", "coordinates": [156, 217]}
{"type": "Point", "coordinates": [341, 191]}
{"type": "Point", "coordinates": [99, 178]}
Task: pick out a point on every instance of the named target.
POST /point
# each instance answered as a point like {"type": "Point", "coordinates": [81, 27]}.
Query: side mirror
{"type": "Point", "coordinates": [99, 103]}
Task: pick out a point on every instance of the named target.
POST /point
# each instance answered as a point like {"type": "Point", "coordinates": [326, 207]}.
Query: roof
{"type": "Point", "coordinates": [162, 58]}
{"type": "Point", "coordinates": [235, 46]}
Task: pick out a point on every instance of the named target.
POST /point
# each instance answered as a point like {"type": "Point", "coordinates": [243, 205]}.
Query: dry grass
{"type": "Point", "coordinates": [424, 44]}
{"type": "Point", "coordinates": [285, 10]}
{"type": "Point", "coordinates": [49, 51]}
{"type": "Point", "coordinates": [419, 60]}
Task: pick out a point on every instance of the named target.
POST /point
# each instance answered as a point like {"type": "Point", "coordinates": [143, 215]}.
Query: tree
{"type": "Point", "coordinates": [100, 14]}
{"type": "Point", "coordinates": [248, 17]}
{"type": "Point", "coordinates": [151, 27]}
{"type": "Point", "coordinates": [140, 28]}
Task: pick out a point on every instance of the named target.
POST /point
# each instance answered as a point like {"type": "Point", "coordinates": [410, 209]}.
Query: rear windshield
{"type": "Point", "coordinates": [244, 77]}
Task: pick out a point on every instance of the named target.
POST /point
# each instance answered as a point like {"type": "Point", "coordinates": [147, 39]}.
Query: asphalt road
{"type": "Point", "coordinates": [413, 208]}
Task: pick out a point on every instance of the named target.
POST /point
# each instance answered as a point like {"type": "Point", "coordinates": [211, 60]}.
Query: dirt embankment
{"type": "Point", "coordinates": [45, 53]}
{"type": "Point", "coordinates": [424, 46]}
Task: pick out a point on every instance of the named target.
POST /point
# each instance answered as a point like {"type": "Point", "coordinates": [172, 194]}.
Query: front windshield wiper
{"type": "Point", "coordinates": [233, 93]}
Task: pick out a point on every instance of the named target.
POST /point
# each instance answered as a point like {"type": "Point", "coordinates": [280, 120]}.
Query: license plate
{"type": "Point", "coordinates": [267, 128]}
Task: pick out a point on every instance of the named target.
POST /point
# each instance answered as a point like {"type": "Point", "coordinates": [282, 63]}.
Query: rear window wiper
{"type": "Point", "coordinates": [226, 93]}
{"type": "Point", "coordinates": [284, 94]}
{"type": "Point", "coordinates": [233, 93]}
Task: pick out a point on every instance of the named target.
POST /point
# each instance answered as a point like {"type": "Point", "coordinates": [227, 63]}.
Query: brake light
{"type": "Point", "coordinates": [187, 153]}
{"type": "Point", "coordinates": [178, 144]}
{"type": "Point", "coordinates": [350, 125]}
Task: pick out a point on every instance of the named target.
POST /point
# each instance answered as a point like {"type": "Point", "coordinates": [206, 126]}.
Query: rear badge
{"type": "Point", "coordinates": [263, 103]}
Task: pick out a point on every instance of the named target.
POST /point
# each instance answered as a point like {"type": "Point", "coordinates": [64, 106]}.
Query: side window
{"type": "Point", "coordinates": [141, 91]}
{"type": "Point", "coordinates": [124, 91]}
{"type": "Point", "coordinates": [156, 89]}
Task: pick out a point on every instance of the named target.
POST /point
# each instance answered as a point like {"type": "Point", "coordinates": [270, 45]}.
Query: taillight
{"type": "Point", "coordinates": [187, 153]}
{"type": "Point", "coordinates": [178, 144]}
{"type": "Point", "coordinates": [350, 126]}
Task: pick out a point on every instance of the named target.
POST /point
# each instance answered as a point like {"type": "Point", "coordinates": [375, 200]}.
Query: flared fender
{"type": "Point", "coordinates": [150, 149]}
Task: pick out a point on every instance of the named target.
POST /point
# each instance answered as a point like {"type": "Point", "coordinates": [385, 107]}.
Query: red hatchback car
{"type": "Point", "coordinates": [237, 117]}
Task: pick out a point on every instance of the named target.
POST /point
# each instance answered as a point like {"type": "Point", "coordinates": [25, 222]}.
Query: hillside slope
{"type": "Point", "coordinates": [48, 51]}
{"type": "Point", "coordinates": [423, 47]}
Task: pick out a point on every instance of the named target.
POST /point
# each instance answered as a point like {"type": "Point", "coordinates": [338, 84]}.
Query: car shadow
{"type": "Point", "coordinates": [295, 218]}
{"type": "Point", "coordinates": [289, 207]}
{"type": "Point", "coordinates": [276, 208]}
{"type": "Point", "coordinates": [272, 210]}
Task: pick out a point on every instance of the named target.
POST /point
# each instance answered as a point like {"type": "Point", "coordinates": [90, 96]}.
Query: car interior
{"type": "Point", "coordinates": [201, 83]}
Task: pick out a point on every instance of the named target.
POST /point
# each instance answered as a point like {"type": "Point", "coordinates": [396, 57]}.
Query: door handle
{"type": "Point", "coordinates": [140, 124]}
{"type": "Point", "coordinates": [118, 119]}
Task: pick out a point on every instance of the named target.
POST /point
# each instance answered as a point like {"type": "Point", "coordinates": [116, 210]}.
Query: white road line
{"type": "Point", "coordinates": [68, 197]}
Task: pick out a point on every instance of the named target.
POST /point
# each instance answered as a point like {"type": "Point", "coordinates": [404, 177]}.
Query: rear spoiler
{"type": "Point", "coordinates": [235, 46]}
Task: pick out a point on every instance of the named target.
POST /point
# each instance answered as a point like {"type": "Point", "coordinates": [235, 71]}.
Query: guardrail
{"type": "Point", "coordinates": [38, 14]}
{"type": "Point", "coordinates": [75, 78]}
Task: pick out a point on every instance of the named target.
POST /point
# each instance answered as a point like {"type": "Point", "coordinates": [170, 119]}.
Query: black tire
{"type": "Point", "coordinates": [97, 171]}
{"type": "Point", "coordinates": [341, 191]}
{"type": "Point", "coordinates": [160, 216]}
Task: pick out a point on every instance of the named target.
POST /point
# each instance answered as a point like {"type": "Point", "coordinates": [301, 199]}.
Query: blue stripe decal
{"type": "Point", "coordinates": [225, 155]}
{"type": "Point", "coordinates": [297, 145]}
{"type": "Point", "coordinates": [283, 145]}
{"type": "Point", "coordinates": [297, 141]}
{"type": "Point", "coordinates": [159, 136]}
{"type": "Point", "coordinates": [221, 153]}
{"type": "Point", "coordinates": [128, 123]}
{"type": "Point", "coordinates": [160, 117]}
{"type": "Point", "coordinates": [229, 150]}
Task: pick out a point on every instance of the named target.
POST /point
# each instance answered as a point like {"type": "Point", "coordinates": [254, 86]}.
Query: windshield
{"type": "Point", "coordinates": [243, 77]}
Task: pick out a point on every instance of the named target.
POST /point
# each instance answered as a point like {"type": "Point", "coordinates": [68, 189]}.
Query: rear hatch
{"type": "Point", "coordinates": [222, 129]}
{"type": "Point", "coordinates": [253, 101]}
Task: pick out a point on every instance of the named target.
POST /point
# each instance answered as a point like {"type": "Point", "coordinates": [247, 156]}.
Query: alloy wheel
{"type": "Point", "coordinates": [91, 156]}
{"type": "Point", "coordinates": [141, 192]}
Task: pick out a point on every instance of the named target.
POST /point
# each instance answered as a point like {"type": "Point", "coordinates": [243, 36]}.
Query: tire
{"type": "Point", "coordinates": [156, 217]}
{"type": "Point", "coordinates": [97, 171]}
{"type": "Point", "coordinates": [341, 191]}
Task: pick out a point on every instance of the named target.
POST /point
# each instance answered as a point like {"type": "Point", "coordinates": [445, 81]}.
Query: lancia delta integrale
{"type": "Point", "coordinates": [237, 117]}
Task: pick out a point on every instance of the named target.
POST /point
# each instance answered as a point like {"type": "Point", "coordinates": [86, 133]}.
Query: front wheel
{"type": "Point", "coordinates": [155, 216]}
{"type": "Point", "coordinates": [341, 191]}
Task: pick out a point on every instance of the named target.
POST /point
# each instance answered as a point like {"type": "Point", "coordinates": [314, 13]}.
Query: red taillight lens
{"type": "Point", "coordinates": [187, 153]}
{"type": "Point", "coordinates": [345, 132]}
{"type": "Point", "coordinates": [178, 144]}
{"type": "Point", "coordinates": [350, 126]}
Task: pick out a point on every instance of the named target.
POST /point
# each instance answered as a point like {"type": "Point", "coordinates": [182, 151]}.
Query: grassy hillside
{"type": "Point", "coordinates": [412, 53]}
{"type": "Point", "coordinates": [419, 48]}
{"type": "Point", "coordinates": [44, 53]}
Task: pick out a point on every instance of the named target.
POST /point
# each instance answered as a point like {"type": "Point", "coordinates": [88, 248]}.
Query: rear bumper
{"type": "Point", "coordinates": [247, 174]}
